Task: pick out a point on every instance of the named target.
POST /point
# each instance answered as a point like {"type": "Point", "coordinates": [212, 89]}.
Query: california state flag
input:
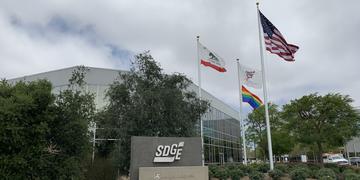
{"type": "Point", "coordinates": [211, 59]}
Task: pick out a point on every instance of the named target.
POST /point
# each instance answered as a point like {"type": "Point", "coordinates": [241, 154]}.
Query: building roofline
{"type": "Point", "coordinates": [66, 68]}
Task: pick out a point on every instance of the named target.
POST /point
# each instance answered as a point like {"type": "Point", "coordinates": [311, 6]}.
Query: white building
{"type": "Point", "coordinates": [221, 123]}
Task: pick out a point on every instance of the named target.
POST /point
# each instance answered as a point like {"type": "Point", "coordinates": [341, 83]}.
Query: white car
{"type": "Point", "coordinates": [336, 159]}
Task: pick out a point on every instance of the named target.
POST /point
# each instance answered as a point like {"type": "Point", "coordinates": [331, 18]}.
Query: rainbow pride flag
{"type": "Point", "coordinates": [250, 98]}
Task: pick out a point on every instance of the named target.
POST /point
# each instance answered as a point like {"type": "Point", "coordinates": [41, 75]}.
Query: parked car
{"type": "Point", "coordinates": [354, 161]}
{"type": "Point", "coordinates": [335, 158]}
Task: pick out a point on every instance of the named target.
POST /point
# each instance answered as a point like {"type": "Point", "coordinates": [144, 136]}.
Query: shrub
{"type": "Point", "coordinates": [291, 166]}
{"type": "Point", "coordinates": [314, 168]}
{"type": "Point", "coordinates": [326, 174]}
{"type": "Point", "coordinates": [235, 172]}
{"type": "Point", "coordinates": [282, 167]}
{"type": "Point", "coordinates": [212, 170]}
{"type": "Point", "coordinates": [300, 173]}
{"type": "Point", "coordinates": [245, 169]}
{"type": "Point", "coordinates": [218, 172]}
{"type": "Point", "coordinates": [300, 165]}
{"type": "Point", "coordinates": [276, 174]}
{"type": "Point", "coordinates": [262, 167]}
{"type": "Point", "coordinates": [255, 175]}
{"type": "Point", "coordinates": [357, 170]}
{"type": "Point", "coordinates": [334, 167]}
{"type": "Point", "coordinates": [352, 176]}
{"type": "Point", "coordinates": [348, 170]}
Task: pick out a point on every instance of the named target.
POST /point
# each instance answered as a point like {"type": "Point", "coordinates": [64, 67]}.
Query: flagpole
{"type": "Point", "coordinates": [199, 85]}
{"type": "Point", "coordinates": [265, 94]}
{"type": "Point", "coordinates": [240, 115]}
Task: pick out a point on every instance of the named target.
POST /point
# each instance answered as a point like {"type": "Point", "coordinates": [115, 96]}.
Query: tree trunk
{"type": "Point", "coordinates": [255, 152]}
{"type": "Point", "coordinates": [320, 152]}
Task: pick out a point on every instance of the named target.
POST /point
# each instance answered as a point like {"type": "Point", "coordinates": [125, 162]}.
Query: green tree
{"type": "Point", "coordinates": [147, 102]}
{"type": "Point", "coordinates": [74, 110]}
{"type": "Point", "coordinates": [26, 111]}
{"type": "Point", "coordinates": [282, 141]}
{"type": "Point", "coordinates": [256, 132]}
{"type": "Point", "coordinates": [43, 136]}
{"type": "Point", "coordinates": [322, 121]}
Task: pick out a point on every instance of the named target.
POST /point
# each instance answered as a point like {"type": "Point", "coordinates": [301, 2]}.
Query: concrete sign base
{"type": "Point", "coordinates": [174, 173]}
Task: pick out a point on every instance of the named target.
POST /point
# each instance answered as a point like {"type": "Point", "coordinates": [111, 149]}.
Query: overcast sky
{"type": "Point", "coordinates": [38, 36]}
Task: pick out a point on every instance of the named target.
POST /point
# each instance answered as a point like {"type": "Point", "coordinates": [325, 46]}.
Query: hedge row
{"type": "Point", "coordinates": [295, 171]}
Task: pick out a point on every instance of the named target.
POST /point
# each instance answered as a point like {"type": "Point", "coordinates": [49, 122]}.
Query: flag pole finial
{"type": "Point", "coordinates": [197, 38]}
{"type": "Point", "coordinates": [257, 3]}
{"type": "Point", "coordinates": [237, 59]}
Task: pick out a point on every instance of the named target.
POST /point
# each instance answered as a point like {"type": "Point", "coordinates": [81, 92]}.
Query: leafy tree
{"type": "Point", "coordinates": [322, 121]}
{"type": "Point", "coordinates": [43, 136]}
{"type": "Point", "coordinates": [281, 141]}
{"type": "Point", "coordinates": [25, 115]}
{"type": "Point", "coordinates": [74, 110]}
{"type": "Point", "coordinates": [147, 102]}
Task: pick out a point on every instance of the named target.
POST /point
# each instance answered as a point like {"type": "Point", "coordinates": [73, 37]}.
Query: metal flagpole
{"type": "Point", "coordinates": [199, 85]}
{"type": "Point", "coordinates": [265, 94]}
{"type": "Point", "coordinates": [240, 114]}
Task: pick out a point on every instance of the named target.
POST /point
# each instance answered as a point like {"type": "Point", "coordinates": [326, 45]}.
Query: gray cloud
{"type": "Point", "coordinates": [106, 33]}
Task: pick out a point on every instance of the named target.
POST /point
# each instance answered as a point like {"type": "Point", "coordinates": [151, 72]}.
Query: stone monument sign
{"type": "Point", "coordinates": [169, 153]}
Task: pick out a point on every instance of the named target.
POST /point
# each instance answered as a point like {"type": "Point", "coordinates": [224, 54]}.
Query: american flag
{"type": "Point", "coordinates": [275, 41]}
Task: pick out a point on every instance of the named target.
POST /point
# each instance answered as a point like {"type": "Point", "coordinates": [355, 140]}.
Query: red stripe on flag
{"type": "Point", "coordinates": [278, 47]}
{"type": "Point", "coordinates": [286, 58]}
{"type": "Point", "coordinates": [218, 68]}
{"type": "Point", "coordinates": [280, 43]}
